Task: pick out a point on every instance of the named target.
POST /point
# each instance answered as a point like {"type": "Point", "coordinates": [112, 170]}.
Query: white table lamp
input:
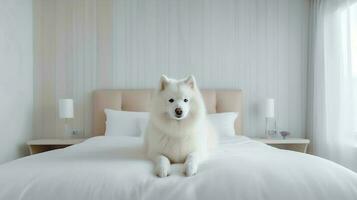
{"type": "Point", "coordinates": [65, 107]}
{"type": "Point", "coordinates": [270, 122]}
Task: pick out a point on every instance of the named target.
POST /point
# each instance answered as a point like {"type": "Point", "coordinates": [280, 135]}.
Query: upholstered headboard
{"type": "Point", "coordinates": [139, 100]}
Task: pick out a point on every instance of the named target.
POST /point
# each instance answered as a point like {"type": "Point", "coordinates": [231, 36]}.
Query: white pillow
{"type": "Point", "coordinates": [143, 123]}
{"type": "Point", "coordinates": [223, 123]}
{"type": "Point", "coordinates": [121, 123]}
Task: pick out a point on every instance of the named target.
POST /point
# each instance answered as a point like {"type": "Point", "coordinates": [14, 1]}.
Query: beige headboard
{"type": "Point", "coordinates": [139, 100]}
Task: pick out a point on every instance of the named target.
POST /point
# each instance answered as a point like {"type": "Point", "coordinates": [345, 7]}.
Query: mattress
{"type": "Point", "coordinates": [116, 168]}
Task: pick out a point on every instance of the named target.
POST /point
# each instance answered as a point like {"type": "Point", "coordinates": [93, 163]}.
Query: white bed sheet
{"type": "Point", "coordinates": [115, 168]}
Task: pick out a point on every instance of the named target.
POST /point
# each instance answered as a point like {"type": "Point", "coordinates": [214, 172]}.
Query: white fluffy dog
{"type": "Point", "coordinates": [178, 130]}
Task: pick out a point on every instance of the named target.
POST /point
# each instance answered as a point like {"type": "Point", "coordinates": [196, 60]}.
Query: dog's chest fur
{"type": "Point", "coordinates": [174, 148]}
{"type": "Point", "coordinates": [177, 149]}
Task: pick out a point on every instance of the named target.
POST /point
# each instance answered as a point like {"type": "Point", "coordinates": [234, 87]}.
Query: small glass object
{"type": "Point", "coordinates": [284, 134]}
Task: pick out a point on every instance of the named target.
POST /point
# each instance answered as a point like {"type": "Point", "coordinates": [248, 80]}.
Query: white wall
{"type": "Point", "coordinates": [258, 45]}
{"type": "Point", "coordinates": [16, 77]}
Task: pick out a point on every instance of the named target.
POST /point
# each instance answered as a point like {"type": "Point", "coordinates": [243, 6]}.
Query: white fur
{"type": "Point", "coordinates": [184, 139]}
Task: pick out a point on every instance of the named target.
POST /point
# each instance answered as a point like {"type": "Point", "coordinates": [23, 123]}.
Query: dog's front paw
{"type": "Point", "coordinates": [162, 171]}
{"type": "Point", "coordinates": [162, 168]}
{"type": "Point", "coordinates": [191, 168]}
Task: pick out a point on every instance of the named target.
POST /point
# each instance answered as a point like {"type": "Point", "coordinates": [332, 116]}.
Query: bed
{"type": "Point", "coordinates": [115, 167]}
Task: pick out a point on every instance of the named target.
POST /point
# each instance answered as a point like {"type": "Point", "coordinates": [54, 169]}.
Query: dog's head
{"type": "Point", "coordinates": [178, 99]}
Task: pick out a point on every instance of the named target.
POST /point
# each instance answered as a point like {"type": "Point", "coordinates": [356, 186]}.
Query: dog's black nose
{"type": "Point", "coordinates": [178, 111]}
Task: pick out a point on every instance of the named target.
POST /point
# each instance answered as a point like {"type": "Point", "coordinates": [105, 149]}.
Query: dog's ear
{"type": "Point", "coordinates": [163, 82]}
{"type": "Point", "coordinates": [190, 81]}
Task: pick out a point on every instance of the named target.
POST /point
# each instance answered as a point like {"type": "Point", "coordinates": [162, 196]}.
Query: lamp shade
{"type": "Point", "coordinates": [65, 108]}
{"type": "Point", "coordinates": [269, 108]}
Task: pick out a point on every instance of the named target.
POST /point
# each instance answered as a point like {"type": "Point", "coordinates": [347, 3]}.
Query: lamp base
{"type": "Point", "coordinates": [270, 127]}
{"type": "Point", "coordinates": [67, 131]}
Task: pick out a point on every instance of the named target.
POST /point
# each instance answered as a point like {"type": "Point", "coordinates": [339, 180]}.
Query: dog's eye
{"type": "Point", "coordinates": [171, 100]}
{"type": "Point", "coordinates": [185, 100]}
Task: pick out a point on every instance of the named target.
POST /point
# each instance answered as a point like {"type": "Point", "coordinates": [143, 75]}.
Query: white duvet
{"type": "Point", "coordinates": [115, 168]}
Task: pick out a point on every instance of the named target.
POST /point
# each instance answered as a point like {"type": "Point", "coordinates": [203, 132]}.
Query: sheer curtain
{"type": "Point", "coordinates": [332, 98]}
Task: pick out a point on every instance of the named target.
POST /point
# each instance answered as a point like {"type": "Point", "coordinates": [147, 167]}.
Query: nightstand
{"type": "Point", "coordinates": [43, 145]}
{"type": "Point", "coordinates": [293, 144]}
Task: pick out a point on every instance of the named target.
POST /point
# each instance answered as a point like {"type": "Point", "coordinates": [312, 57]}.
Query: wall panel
{"type": "Point", "coordinates": [258, 46]}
